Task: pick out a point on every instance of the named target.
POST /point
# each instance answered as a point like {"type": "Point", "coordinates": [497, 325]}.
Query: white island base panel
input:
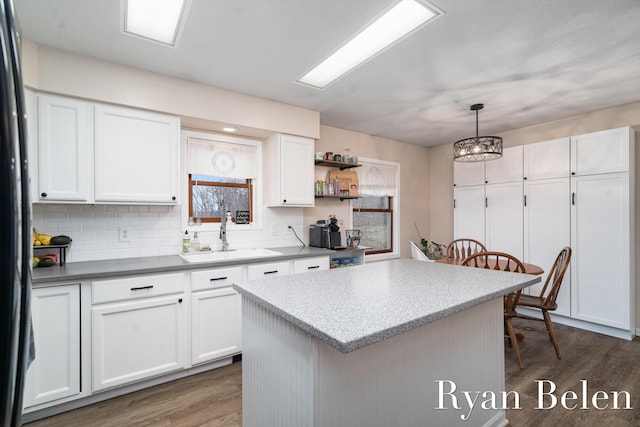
{"type": "Point", "coordinates": [290, 378]}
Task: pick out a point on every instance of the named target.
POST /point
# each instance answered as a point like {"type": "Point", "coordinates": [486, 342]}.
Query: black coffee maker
{"type": "Point", "coordinates": [325, 235]}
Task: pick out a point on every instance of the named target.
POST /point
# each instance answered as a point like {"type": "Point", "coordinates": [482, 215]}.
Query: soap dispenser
{"type": "Point", "coordinates": [195, 242]}
{"type": "Point", "coordinates": [186, 241]}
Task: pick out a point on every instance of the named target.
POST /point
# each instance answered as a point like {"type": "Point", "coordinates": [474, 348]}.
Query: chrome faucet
{"type": "Point", "coordinates": [223, 227]}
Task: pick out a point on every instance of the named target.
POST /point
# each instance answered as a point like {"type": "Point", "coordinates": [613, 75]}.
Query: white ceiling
{"type": "Point", "coordinates": [528, 61]}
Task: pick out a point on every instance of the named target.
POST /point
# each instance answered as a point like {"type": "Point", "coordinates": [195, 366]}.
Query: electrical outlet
{"type": "Point", "coordinates": [123, 234]}
{"type": "Point", "coordinates": [274, 229]}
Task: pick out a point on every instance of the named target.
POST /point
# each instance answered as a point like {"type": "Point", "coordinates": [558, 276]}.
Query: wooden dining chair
{"type": "Point", "coordinates": [462, 248]}
{"type": "Point", "coordinates": [503, 262]}
{"type": "Point", "coordinates": [546, 300]}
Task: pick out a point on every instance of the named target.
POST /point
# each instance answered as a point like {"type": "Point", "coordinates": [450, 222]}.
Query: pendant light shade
{"type": "Point", "coordinates": [478, 148]}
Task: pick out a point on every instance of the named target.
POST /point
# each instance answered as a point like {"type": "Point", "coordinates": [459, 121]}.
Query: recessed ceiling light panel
{"type": "Point", "coordinates": [157, 20]}
{"type": "Point", "coordinates": [398, 22]}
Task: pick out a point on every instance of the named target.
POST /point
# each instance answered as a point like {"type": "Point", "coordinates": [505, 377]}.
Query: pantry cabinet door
{"type": "Point", "coordinates": [547, 159]}
{"type": "Point", "coordinates": [600, 152]}
{"type": "Point", "coordinates": [465, 174]}
{"type": "Point", "coordinates": [504, 216]}
{"type": "Point", "coordinates": [65, 163]}
{"type": "Point", "coordinates": [547, 230]}
{"type": "Point", "coordinates": [469, 212]}
{"type": "Point", "coordinates": [506, 169]}
{"type": "Point", "coordinates": [600, 273]}
{"type": "Point", "coordinates": [137, 156]}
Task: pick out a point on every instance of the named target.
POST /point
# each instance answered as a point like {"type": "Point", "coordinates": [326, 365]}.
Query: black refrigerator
{"type": "Point", "coordinates": [16, 343]}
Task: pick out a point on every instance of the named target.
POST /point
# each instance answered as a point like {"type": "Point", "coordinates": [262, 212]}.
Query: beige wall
{"type": "Point", "coordinates": [441, 166]}
{"type": "Point", "coordinates": [200, 106]}
{"type": "Point", "coordinates": [414, 178]}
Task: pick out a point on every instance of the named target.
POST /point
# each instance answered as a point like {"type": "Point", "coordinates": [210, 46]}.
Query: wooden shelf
{"type": "Point", "coordinates": [332, 164]}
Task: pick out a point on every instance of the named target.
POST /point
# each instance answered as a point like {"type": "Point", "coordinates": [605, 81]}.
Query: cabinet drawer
{"type": "Point", "coordinates": [215, 278]}
{"type": "Point", "coordinates": [137, 287]}
{"type": "Point", "coordinates": [259, 271]}
{"type": "Point", "coordinates": [310, 264]}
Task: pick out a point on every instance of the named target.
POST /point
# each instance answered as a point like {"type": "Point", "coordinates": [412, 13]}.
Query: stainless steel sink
{"type": "Point", "coordinates": [228, 255]}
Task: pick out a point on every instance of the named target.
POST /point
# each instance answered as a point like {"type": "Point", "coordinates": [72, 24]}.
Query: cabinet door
{"type": "Point", "coordinates": [65, 142]}
{"type": "Point", "coordinates": [272, 269]}
{"type": "Point", "coordinates": [600, 152]}
{"type": "Point", "coordinates": [504, 216]}
{"type": "Point", "coordinates": [506, 169]}
{"type": "Point", "coordinates": [600, 275]}
{"type": "Point", "coordinates": [296, 171]}
{"type": "Point", "coordinates": [216, 324]}
{"type": "Point", "coordinates": [137, 156]}
{"type": "Point", "coordinates": [468, 212]}
{"type": "Point", "coordinates": [55, 372]}
{"type": "Point", "coordinates": [468, 173]}
{"type": "Point", "coordinates": [547, 231]}
{"type": "Point", "coordinates": [135, 340]}
{"type": "Point", "coordinates": [548, 159]}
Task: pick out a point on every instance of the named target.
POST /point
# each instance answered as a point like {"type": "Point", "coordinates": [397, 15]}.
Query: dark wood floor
{"type": "Point", "coordinates": [214, 398]}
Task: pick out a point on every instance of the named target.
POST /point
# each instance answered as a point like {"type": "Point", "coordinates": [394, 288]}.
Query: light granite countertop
{"type": "Point", "coordinates": [351, 308]}
{"type": "Point", "coordinates": [86, 270]}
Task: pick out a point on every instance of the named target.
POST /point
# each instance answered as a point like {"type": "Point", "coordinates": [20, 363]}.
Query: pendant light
{"type": "Point", "coordinates": [478, 148]}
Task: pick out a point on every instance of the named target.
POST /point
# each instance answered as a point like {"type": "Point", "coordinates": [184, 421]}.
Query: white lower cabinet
{"type": "Point", "coordinates": [216, 314]}
{"type": "Point", "coordinates": [136, 336]}
{"type": "Point", "coordinates": [55, 372]}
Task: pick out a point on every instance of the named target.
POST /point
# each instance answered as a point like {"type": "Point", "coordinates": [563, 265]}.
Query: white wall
{"type": "Point", "coordinates": [154, 230]}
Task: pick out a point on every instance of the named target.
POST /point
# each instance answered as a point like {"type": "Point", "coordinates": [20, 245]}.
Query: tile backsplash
{"type": "Point", "coordinates": [152, 230]}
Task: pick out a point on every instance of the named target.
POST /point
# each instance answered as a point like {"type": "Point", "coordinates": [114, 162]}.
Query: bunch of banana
{"type": "Point", "coordinates": [40, 239]}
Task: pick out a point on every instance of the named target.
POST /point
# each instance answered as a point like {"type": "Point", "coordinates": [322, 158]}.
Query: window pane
{"type": "Point", "coordinates": [207, 200]}
{"type": "Point", "coordinates": [371, 202]}
{"type": "Point", "coordinates": [375, 228]}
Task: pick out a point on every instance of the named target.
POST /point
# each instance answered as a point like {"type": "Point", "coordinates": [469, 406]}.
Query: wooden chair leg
{"type": "Point", "coordinates": [552, 332]}
{"type": "Point", "coordinates": [513, 340]}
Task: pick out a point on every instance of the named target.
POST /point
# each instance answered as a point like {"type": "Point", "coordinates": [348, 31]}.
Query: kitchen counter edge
{"type": "Point", "coordinates": [87, 270]}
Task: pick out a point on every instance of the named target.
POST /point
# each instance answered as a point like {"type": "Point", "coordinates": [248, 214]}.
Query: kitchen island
{"type": "Point", "coordinates": [375, 345]}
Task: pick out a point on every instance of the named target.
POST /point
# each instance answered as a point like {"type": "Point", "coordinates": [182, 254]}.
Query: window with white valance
{"type": "Point", "coordinates": [223, 173]}
{"type": "Point", "coordinates": [374, 213]}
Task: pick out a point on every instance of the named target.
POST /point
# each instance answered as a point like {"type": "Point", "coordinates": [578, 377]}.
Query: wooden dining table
{"type": "Point", "coordinates": [528, 268]}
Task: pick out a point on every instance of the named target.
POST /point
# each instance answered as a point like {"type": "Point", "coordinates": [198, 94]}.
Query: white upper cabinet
{"type": "Point", "coordinates": [601, 152]}
{"type": "Point", "coordinates": [471, 173]}
{"type": "Point", "coordinates": [97, 153]}
{"type": "Point", "coordinates": [506, 169]}
{"type": "Point", "coordinates": [65, 142]}
{"type": "Point", "coordinates": [547, 159]}
{"type": "Point", "coordinates": [289, 171]}
{"type": "Point", "coordinates": [136, 156]}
